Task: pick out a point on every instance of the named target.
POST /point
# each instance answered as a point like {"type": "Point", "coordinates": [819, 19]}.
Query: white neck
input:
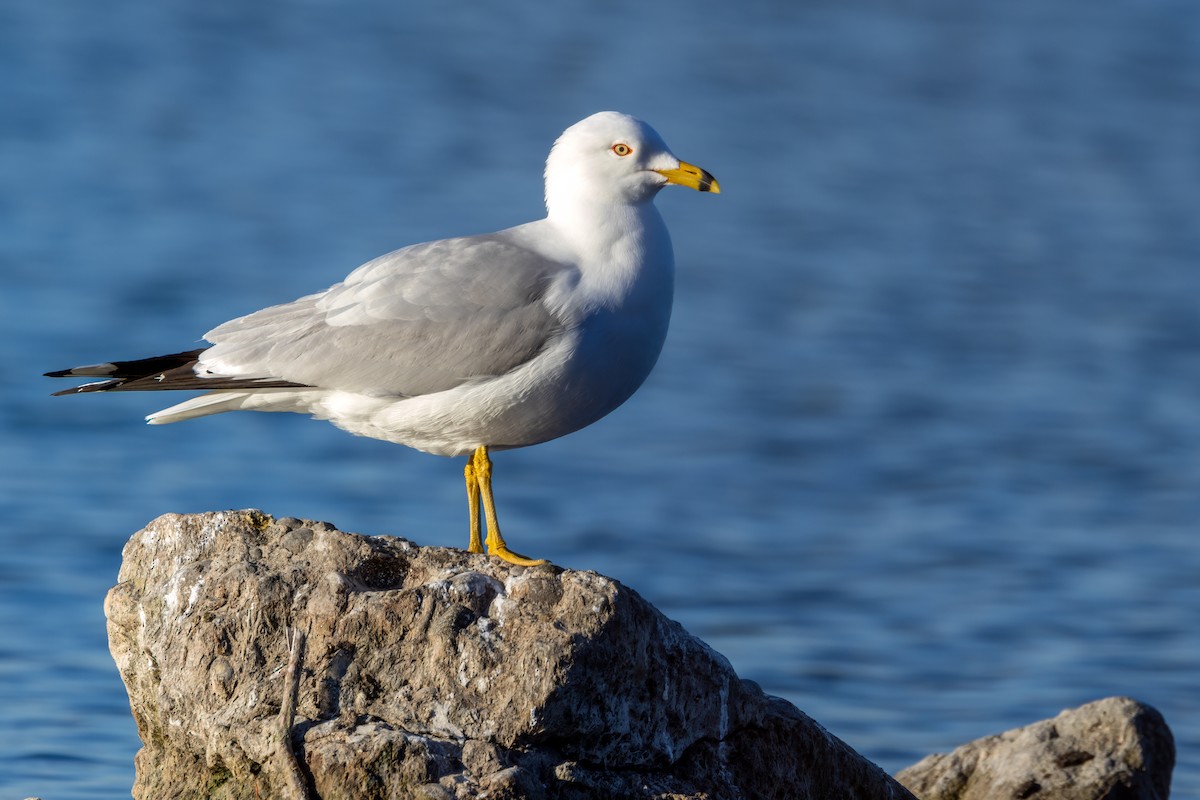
{"type": "Point", "coordinates": [612, 243]}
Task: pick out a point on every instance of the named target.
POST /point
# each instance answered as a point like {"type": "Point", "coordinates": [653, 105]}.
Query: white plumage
{"type": "Point", "coordinates": [495, 341]}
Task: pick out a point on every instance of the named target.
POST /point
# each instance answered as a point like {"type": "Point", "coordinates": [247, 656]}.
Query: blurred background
{"type": "Point", "coordinates": [922, 452]}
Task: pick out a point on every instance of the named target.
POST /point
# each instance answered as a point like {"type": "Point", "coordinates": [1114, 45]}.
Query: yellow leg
{"type": "Point", "coordinates": [480, 466]}
{"type": "Point", "coordinates": [476, 544]}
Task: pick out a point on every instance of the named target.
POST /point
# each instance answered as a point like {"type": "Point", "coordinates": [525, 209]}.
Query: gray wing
{"type": "Point", "coordinates": [422, 319]}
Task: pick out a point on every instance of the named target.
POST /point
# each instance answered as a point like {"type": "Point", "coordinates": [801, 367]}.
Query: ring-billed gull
{"type": "Point", "coordinates": [466, 345]}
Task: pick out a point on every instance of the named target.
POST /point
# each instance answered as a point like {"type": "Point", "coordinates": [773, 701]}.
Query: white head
{"type": "Point", "coordinates": [614, 158]}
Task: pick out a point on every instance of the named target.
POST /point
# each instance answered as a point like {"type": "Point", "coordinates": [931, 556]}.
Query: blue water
{"type": "Point", "coordinates": [922, 453]}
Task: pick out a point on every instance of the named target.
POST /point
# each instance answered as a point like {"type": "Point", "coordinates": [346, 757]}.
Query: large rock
{"type": "Point", "coordinates": [1112, 749]}
{"type": "Point", "coordinates": [280, 658]}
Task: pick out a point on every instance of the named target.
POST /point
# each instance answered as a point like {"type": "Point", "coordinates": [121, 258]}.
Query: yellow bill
{"type": "Point", "coordinates": [691, 176]}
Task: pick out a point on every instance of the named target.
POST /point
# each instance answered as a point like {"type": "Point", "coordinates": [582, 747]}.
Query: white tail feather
{"type": "Point", "coordinates": [299, 400]}
{"type": "Point", "coordinates": [212, 403]}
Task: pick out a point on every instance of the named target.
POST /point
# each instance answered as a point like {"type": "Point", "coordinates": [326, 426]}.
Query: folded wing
{"type": "Point", "coordinates": [420, 320]}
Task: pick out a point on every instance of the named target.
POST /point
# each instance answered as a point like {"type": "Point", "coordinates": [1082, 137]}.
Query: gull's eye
{"type": "Point", "coordinates": [622, 149]}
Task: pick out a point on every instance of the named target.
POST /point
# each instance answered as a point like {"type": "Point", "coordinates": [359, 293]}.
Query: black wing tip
{"type": "Point", "coordinates": [174, 371]}
{"type": "Point", "coordinates": [120, 372]}
{"type": "Point", "coordinates": [95, 386]}
{"type": "Point", "coordinates": [90, 371]}
{"type": "Point", "coordinates": [106, 370]}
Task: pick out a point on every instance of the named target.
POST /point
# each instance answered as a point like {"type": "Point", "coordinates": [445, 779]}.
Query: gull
{"type": "Point", "coordinates": [466, 345]}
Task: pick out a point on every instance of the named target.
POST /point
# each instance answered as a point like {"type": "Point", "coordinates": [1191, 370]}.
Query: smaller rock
{"type": "Point", "coordinates": [1112, 749]}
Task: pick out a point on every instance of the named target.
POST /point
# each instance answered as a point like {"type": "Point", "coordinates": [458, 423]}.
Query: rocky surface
{"type": "Point", "coordinates": [280, 658]}
{"type": "Point", "coordinates": [1112, 749]}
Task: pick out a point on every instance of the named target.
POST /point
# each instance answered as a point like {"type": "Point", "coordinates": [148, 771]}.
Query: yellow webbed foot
{"type": "Point", "coordinates": [504, 553]}
{"type": "Point", "coordinates": [478, 473]}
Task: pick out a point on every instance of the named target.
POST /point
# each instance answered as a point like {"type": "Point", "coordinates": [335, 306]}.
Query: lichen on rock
{"type": "Point", "coordinates": [1110, 749]}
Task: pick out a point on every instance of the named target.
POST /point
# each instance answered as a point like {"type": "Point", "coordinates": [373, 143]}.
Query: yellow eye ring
{"type": "Point", "coordinates": [622, 149]}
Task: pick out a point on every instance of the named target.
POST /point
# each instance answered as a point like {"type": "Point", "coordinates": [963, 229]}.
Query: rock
{"type": "Point", "coordinates": [285, 658]}
{"type": "Point", "coordinates": [1112, 749]}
